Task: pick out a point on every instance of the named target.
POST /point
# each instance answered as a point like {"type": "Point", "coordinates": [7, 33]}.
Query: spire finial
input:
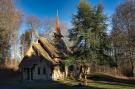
{"type": "Point", "coordinates": [57, 12]}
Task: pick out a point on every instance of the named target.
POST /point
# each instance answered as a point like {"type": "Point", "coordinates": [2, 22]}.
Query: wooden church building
{"type": "Point", "coordinates": [42, 60]}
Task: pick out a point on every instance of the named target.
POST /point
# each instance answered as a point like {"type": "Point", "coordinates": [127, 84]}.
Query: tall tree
{"type": "Point", "coordinates": [10, 19]}
{"type": "Point", "coordinates": [123, 22]}
{"type": "Point", "coordinates": [34, 24]}
{"type": "Point", "coordinates": [25, 39]}
{"type": "Point", "coordinates": [48, 25]}
{"type": "Point", "coordinates": [100, 36]}
{"type": "Point", "coordinates": [89, 35]}
{"type": "Point", "coordinates": [17, 19]}
{"type": "Point", "coordinates": [82, 22]}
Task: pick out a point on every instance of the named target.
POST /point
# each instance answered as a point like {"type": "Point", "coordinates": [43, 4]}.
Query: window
{"type": "Point", "coordinates": [44, 70]}
{"type": "Point", "coordinates": [38, 70]}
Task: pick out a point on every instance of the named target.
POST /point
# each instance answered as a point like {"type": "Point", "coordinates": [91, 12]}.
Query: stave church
{"type": "Point", "coordinates": [42, 60]}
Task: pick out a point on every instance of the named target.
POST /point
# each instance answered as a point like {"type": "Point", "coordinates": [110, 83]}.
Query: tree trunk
{"type": "Point", "coordinates": [86, 70]}
{"type": "Point", "coordinates": [57, 74]}
{"type": "Point", "coordinates": [80, 73]}
{"type": "Point", "coordinates": [115, 69]}
{"type": "Point", "coordinates": [66, 71]}
{"type": "Point", "coordinates": [14, 39]}
{"type": "Point", "coordinates": [132, 69]}
{"type": "Point", "coordinates": [86, 80]}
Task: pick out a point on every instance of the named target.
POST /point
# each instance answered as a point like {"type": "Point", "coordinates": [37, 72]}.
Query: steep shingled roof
{"type": "Point", "coordinates": [48, 46]}
{"type": "Point", "coordinates": [45, 49]}
{"type": "Point", "coordinates": [42, 52]}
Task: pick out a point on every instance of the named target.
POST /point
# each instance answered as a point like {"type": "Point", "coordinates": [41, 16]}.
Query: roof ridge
{"type": "Point", "coordinates": [42, 52]}
{"type": "Point", "coordinates": [48, 46]}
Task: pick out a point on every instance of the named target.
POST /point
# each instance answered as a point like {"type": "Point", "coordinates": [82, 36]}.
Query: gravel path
{"type": "Point", "coordinates": [10, 87]}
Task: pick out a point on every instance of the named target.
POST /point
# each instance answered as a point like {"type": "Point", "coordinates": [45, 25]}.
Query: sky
{"type": "Point", "coordinates": [66, 8]}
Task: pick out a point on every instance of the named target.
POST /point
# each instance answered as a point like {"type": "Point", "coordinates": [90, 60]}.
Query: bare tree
{"type": "Point", "coordinates": [48, 25]}
{"type": "Point", "coordinates": [34, 25]}
{"type": "Point", "coordinates": [10, 19]}
{"type": "Point", "coordinates": [14, 36]}
{"type": "Point", "coordinates": [25, 40]}
{"type": "Point", "coordinates": [123, 34]}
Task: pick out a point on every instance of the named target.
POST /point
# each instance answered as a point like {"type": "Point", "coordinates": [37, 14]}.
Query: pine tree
{"type": "Point", "coordinates": [102, 39]}
{"type": "Point", "coordinates": [82, 22]}
{"type": "Point", "coordinates": [89, 35]}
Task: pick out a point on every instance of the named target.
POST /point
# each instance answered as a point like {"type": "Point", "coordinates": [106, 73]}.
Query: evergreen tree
{"type": "Point", "coordinates": [89, 35]}
{"type": "Point", "coordinates": [80, 33]}
{"type": "Point", "coordinates": [81, 21]}
{"type": "Point", "coordinates": [100, 36]}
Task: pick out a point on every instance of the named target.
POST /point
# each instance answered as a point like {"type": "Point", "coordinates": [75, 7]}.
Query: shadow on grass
{"type": "Point", "coordinates": [113, 80]}
{"type": "Point", "coordinates": [56, 85]}
{"type": "Point", "coordinates": [10, 79]}
{"type": "Point", "coordinates": [9, 74]}
{"type": "Point", "coordinates": [43, 85]}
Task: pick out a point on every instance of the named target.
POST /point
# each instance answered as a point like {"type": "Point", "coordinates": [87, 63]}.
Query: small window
{"type": "Point", "coordinates": [44, 70]}
{"type": "Point", "coordinates": [39, 71]}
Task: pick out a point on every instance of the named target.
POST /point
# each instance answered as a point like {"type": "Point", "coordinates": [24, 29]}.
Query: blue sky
{"type": "Point", "coordinates": [66, 8]}
{"type": "Point", "coordinates": [48, 8]}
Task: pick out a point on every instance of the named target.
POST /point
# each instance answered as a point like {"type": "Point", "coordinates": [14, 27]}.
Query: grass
{"type": "Point", "coordinates": [69, 84]}
{"type": "Point", "coordinates": [94, 82]}
{"type": "Point", "coordinates": [74, 85]}
{"type": "Point", "coordinates": [112, 85]}
{"type": "Point", "coordinates": [104, 85]}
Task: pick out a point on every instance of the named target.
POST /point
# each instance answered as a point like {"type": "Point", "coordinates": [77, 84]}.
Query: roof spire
{"type": "Point", "coordinates": [57, 26]}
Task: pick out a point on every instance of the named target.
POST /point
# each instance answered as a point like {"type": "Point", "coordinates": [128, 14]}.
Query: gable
{"type": "Point", "coordinates": [37, 47]}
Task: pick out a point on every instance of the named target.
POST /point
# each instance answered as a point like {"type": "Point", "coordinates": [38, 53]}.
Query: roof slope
{"type": "Point", "coordinates": [42, 52]}
{"type": "Point", "coordinates": [45, 49]}
{"type": "Point", "coordinates": [48, 46]}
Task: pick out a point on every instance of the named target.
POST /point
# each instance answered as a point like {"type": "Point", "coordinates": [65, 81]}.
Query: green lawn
{"type": "Point", "coordinates": [111, 85]}
{"type": "Point", "coordinates": [73, 85]}
{"type": "Point", "coordinates": [100, 82]}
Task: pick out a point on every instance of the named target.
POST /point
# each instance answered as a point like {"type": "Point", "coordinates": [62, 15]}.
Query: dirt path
{"type": "Point", "coordinates": [10, 87]}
